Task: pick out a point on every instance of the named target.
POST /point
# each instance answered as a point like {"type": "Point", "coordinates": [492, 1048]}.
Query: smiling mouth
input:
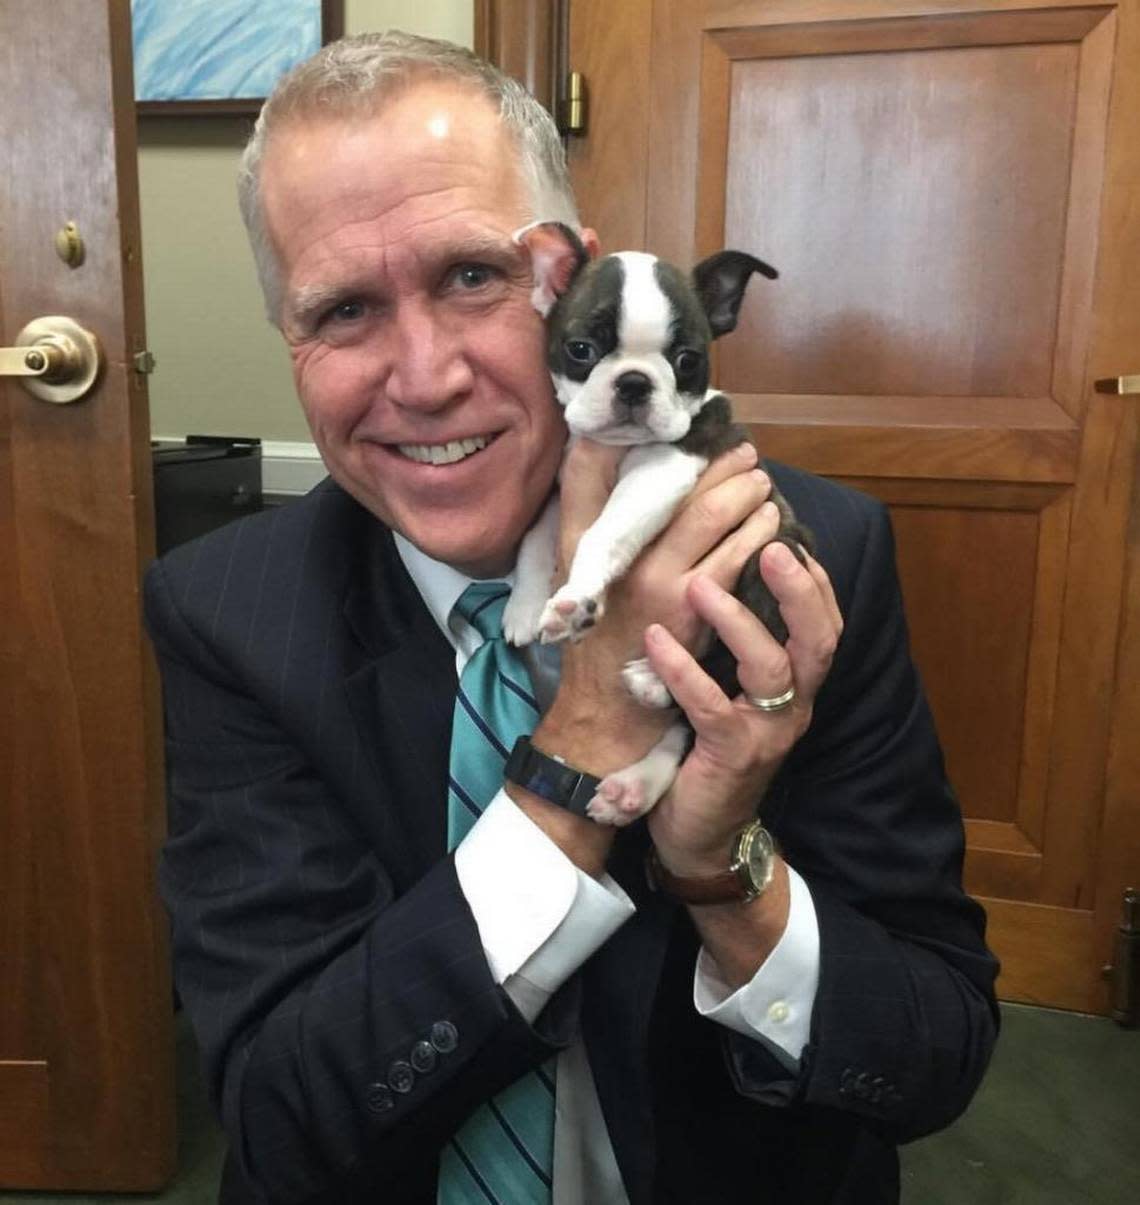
{"type": "Point", "coordinates": [448, 453]}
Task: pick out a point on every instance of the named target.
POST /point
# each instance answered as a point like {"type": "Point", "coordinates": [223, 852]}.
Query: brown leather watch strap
{"type": "Point", "coordinates": [748, 875]}
{"type": "Point", "coordinates": [725, 887]}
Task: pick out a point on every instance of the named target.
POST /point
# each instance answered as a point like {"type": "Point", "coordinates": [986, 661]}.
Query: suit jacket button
{"type": "Point", "coordinates": [444, 1037]}
{"type": "Point", "coordinates": [401, 1077]}
{"type": "Point", "coordinates": [379, 1099]}
{"type": "Point", "coordinates": [423, 1057]}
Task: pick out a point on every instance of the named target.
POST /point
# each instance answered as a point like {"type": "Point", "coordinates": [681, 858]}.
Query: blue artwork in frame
{"type": "Point", "coordinates": [223, 55]}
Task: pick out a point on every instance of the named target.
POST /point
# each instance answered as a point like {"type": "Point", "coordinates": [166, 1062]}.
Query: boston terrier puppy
{"type": "Point", "coordinates": [627, 347]}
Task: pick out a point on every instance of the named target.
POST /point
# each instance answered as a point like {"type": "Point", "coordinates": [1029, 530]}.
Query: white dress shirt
{"type": "Point", "coordinates": [542, 921]}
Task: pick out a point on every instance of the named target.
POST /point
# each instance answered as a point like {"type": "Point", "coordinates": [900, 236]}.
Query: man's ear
{"type": "Point", "coordinates": [557, 255]}
{"type": "Point", "coordinates": [720, 282]}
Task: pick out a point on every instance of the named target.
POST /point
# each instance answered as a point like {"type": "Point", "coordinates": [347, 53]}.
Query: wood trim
{"type": "Point", "coordinates": [1086, 670]}
{"type": "Point", "coordinates": [968, 439]}
{"type": "Point", "coordinates": [1053, 534]}
{"type": "Point", "coordinates": [999, 836]}
{"type": "Point", "coordinates": [961, 495]}
{"type": "Point", "coordinates": [1119, 861]}
{"type": "Point", "coordinates": [1086, 188]}
{"type": "Point", "coordinates": [609, 167]}
{"type": "Point", "coordinates": [521, 37]}
{"type": "Point", "coordinates": [1040, 415]}
{"type": "Point", "coordinates": [1049, 955]}
{"type": "Point", "coordinates": [1001, 859]}
{"type": "Point", "coordinates": [1117, 351]}
{"type": "Point", "coordinates": [712, 154]}
{"type": "Point", "coordinates": [942, 31]}
{"type": "Point", "coordinates": [729, 14]}
{"type": "Point", "coordinates": [481, 37]}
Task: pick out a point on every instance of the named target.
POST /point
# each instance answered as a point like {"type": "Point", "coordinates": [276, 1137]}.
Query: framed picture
{"type": "Point", "coordinates": [223, 56]}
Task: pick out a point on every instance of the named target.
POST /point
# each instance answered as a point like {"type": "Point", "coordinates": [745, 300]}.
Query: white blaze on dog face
{"type": "Point", "coordinates": [615, 339]}
{"type": "Point", "coordinates": [646, 314]}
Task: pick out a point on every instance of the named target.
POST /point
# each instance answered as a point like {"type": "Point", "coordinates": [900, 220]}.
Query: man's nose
{"type": "Point", "coordinates": [429, 364]}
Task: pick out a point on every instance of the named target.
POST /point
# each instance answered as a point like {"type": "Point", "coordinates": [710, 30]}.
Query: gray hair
{"type": "Point", "coordinates": [356, 75]}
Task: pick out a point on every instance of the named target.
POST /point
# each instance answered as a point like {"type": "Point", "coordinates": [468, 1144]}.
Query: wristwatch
{"type": "Point", "coordinates": [550, 777]}
{"type": "Point", "coordinates": [750, 870]}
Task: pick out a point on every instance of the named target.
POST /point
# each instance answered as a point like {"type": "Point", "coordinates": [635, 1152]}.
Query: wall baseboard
{"type": "Point", "coordinates": [290, 468]}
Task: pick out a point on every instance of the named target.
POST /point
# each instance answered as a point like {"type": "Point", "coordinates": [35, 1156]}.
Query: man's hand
{"type": "Point", "coordinates": [724, 521]}
{"type": "Point", "coordinates": [738, 747]}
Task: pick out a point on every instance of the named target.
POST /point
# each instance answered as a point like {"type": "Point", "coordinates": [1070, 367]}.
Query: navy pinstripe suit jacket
{"type": "Point", "coordinates": [319, 932]}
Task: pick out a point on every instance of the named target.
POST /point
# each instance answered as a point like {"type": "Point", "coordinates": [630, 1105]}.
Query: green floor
{"type": "Point", "coordinates": [1057, 1122]}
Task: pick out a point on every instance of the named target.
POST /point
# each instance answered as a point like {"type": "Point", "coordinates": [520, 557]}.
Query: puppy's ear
{"type": "Point", "coordinates": [556, 255]}
{"type": "Point", "coordinates": [720, 282]}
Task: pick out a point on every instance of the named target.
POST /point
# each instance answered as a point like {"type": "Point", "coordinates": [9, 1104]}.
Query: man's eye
{"type": "Point", "coordinates": [581, 352]}
{"type": "Point", "coordinates": [473, 276]}
{"type": "Point", "coordinates": [346, 311]}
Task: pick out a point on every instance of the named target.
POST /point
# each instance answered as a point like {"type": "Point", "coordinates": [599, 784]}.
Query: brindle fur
{"type": "Point", "coordinates": [712, 433]}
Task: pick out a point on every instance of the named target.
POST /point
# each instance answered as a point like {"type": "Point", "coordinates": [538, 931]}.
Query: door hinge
{"type": "Point", "coordinates": [1124, 973]}
{"type": "Point", "coordinates": [572, 105]}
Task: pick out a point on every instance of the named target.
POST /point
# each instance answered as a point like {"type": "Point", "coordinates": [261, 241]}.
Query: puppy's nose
{"type": "Point", "coordinates": [633, 387]}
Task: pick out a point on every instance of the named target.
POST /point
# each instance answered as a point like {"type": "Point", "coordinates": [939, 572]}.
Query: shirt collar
{"type": "Point", "coordinates": [440, 586]}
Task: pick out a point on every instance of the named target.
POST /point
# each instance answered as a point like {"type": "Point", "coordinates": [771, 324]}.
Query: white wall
{"type": "Point", "coordinates": [222, 370]}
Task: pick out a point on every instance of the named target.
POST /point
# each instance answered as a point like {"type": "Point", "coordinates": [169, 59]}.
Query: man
{"type": "Point", "coordinates": [361, 996]}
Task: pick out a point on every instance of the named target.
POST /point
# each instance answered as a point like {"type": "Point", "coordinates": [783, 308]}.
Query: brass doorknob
{"type": "Point", "coordinates": [1119, 384]}
{"type": "Point", "coordinates": [56, 359]}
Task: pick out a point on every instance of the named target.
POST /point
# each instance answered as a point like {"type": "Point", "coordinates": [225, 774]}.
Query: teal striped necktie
{"type": "Point", "coordinates": [504, 1152]}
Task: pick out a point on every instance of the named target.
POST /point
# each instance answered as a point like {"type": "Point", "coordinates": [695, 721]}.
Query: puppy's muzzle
{"type": "Point", "coordinates": [633, 390]}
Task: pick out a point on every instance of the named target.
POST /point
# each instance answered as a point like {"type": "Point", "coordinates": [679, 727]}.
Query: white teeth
{"type": "Point", "coordinates": [447, 453]}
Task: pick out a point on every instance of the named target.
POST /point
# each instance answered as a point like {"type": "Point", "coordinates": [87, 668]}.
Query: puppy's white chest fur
{"type": "Point", "coordinates": [653, 480]}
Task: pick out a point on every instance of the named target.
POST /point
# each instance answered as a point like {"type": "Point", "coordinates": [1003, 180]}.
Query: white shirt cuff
{"type": "Point", "coordinates": [775, 1005]}
{"type": "Point", "coordinates": [539, 915]}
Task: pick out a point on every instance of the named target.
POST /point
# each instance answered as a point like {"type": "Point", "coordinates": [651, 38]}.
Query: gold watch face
{"type": "Point", "coordinates": [754, 856]}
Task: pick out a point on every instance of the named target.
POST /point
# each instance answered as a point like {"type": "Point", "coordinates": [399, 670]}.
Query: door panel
{"type": "Point", "coordinates": [951, 193]}
{"type": "Point", "coordinates": [86, 1079]}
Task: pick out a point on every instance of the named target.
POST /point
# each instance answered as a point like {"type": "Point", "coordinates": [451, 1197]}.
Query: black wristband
{"type": "Point", "coordinates": [550, 777]}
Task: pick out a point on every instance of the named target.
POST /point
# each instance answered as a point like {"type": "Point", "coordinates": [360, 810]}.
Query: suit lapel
{"type": "Point", "coordinates": [401, 699]}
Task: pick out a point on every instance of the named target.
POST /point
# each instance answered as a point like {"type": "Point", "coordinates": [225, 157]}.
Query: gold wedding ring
{"type": "Point", "coordinates": [775, 703]}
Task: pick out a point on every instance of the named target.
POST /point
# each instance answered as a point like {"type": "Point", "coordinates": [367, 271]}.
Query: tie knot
{"type": "Point", "coordinates": [481, 604]}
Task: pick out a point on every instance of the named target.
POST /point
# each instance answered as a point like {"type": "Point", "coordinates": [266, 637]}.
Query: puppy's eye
{"type": "Point", "coordinates": [687, 362]}
{"type": "Point", "coordinates": [581, 352]}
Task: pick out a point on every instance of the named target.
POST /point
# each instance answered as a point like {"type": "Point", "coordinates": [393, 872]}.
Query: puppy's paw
{"type": "Point", "coordinates": [644, 684]}
{"type": "Point", "coordinates": [567, 617]}
{"type": "Point", "coordinates": [522, 617]}
{"type": "Point", "coordinates": [621, 797]}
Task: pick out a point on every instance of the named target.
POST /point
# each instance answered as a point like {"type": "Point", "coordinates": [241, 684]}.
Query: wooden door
{"type": "Point", "coordinates": [951, 191]}
{"type": "Point", "coordinates": [86, 1078]}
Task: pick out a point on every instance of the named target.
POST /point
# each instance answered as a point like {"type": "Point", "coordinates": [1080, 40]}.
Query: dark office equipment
{"type": "Point", "coordinates": [203, 482]}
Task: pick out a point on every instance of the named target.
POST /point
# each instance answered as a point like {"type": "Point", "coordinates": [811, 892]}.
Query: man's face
{"type": "Point", "coordinates": [417, 353]}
